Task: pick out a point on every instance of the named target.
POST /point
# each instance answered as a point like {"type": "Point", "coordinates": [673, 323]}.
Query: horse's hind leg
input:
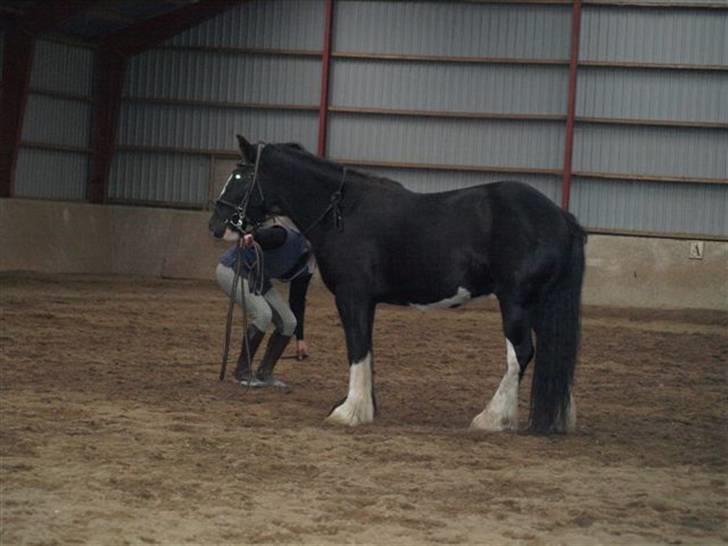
{"type": "Point", "coordinates": [501, 413]}
{"type": "Point", "coordinates": [358, 407]}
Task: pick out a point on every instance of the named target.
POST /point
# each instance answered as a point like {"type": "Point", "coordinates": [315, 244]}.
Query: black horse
{"type": "Point", "coordinates": [377, 242]}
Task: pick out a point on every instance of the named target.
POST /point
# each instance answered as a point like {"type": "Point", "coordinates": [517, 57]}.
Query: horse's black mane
{"type": "Point", "coordinates": [320, 164]}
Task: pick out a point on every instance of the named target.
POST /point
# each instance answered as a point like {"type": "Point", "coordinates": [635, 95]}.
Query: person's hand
{"type": "Point", "coordinates": [301, 350]}
{"type": "Point", "coordinates": [246, 241]}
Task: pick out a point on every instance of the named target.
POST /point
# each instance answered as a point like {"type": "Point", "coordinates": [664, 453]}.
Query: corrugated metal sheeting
{"type": "Point", "coordinates": [410, 56]}
{"type": "Point", "coordinates": [156, 178]}
{"type": "Point", "coordinates": [282, 24]}
{"type": "Point", "coordinates": [667, 75]}
{"type": "Point", "coordinates": [452, 29]}
{"type": "Point", "coordinates": [210, 83]}
{"type": "Point", "coordinates": [53, 162]}
{"type": "Point", "coordinates": [440, 95]}
{"type": "Point", "coordinates": [655, 35]}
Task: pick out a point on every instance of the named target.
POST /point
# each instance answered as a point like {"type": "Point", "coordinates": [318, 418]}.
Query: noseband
{"type": "Point", "coordinates": [240, 210]}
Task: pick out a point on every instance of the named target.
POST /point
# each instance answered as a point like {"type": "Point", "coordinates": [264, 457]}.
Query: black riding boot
{"type": "Point", "coordinates": [252, 338]}
{"type": "Point", "coordinates": [276, 345]}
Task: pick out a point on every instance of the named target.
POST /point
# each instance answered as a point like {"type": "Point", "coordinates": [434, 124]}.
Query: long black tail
{"type": "Point", "coordinates": [557, 341]}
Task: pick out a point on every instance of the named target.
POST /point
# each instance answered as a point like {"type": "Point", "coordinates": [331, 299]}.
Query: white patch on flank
{"type": "Point", "coordinates": [358, 408]}
{"type": "Point", "coordinates": [501, 413]}
{"type": "Point", "coordinates": [460, 297]}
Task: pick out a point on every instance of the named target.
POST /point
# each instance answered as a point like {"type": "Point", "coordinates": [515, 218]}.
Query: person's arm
{"type": "Point", "coordinates": [297, 301]}
{"type": "Point", "coordinates": [270, 237]}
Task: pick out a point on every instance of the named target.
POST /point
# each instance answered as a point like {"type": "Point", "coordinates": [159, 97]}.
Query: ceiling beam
{"type": "Point", "coordinates": [48, 16]}
{"type": "Point", "coordinates": [150, 32]}
{"type": "Point", "coordinates": [19, 51]}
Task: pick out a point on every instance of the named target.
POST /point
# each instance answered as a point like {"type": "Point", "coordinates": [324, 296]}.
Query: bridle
{"type": "Point", "coordinates": [237, 219]}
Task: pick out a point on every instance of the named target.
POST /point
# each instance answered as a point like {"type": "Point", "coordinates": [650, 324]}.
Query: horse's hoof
{"type": "Point", "coordinates": [352, 414]}
{"type": "Point", "coordinates": [493, 423]}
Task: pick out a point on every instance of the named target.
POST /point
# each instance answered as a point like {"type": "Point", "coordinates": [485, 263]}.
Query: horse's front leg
{"type": "Point", "coordinates": [357, 318]}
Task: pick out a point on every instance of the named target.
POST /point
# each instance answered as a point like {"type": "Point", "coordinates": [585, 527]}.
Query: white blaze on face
{"type": "Point", "coordinates": [358, 408]}
{"type": "Point", "coordinates": [461, 296]}
{"type": "Point", "coordinates": [227, 182]}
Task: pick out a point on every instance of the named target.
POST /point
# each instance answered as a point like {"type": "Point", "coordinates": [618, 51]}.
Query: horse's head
{"type": "Point", "coordinates": [240, 204]}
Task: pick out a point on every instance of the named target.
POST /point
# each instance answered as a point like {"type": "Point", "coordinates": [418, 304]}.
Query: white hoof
{"type": "Point", "coordinates": [352, 413]}
{"type": "Point", "coordinates": [494, 421]}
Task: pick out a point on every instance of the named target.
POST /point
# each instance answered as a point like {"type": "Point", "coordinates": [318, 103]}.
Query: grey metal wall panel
{"type": "Point", "coordinates": [207, 76]}
{"type": "Point", "coordinates": [453, 29]}
{"type": "Point", "coordinates": [51, 174]}
{"type": "Point", "coordinates": [449, 87]}
{"type": "Point", "coordinates": [444, 141]}
{"type": "Point", "coordinates": [207, 128]}
{"type": "Point", "coordinates": [166, 178]}
{"type": "Point", "coordinates": [283, 24]}
{"type": "Point", "coordinates": [52, 120]}
{"type": "Point", "coordinates": [651, 151]}
{"type": "Point", "coordinates": [428, 181]}
{"type": "Point", "coordinates": [63, 68]}
{"type": "Point", "coordinates": [2, 51]}
{"type": "Point", "coordinates": [678, 36]}
{"type": "Point", "coordinates": [653, 94]}
{"type": "Point", "coordinates": [655, 207]}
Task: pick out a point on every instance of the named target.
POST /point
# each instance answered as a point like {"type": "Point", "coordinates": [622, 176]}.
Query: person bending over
{"type": "Point", "coordinates": [286, 257]}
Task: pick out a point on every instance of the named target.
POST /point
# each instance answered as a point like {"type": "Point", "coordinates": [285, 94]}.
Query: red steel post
{"type": "Point", "coordinates": [325, 78]}
{"type": "Point", "coordinates": [19, 48]}
{"type": "Point", "coordinates": [571, 105]}
{"type": "Point", "coordinates": [108, 84]}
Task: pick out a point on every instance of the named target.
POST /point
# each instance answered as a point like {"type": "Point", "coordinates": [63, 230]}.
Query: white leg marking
{"type": "Point", "coordinates": [501, 413]}
{"type": "Point", "coordinates": [358, 408]}
{"type": "Point", "coordinates": [571, 416]}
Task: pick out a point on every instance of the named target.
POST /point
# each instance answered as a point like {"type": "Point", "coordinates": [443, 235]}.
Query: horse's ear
{"type": "Point", "coordinates": [247, 150]}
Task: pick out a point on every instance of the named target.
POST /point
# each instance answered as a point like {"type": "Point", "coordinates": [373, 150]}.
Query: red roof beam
{"type": "Point", "coordinates": [151, 32]}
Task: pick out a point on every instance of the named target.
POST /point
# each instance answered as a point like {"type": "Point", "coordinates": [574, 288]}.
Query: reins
{"type": "Point", "coordinates": [255, 273]}
{"type": "Point", "coordinates": [255, 285]}
{"type": "Point", "coordinates": [334, 205]}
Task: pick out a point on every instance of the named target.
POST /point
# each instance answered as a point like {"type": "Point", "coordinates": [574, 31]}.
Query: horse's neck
{"type": "Point", "coordinates": [306, 197]}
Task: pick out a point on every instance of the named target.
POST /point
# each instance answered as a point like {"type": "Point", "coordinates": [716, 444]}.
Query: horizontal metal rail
{"type": "Point", "coordinates": [243, 51]}
{"type": "Point", "coordinates": [60, 95]}
{"type": "Point", "coordinates": [448, 59]}
{"type": "Point", "coordinates": [56, 147]}
{"type": "Point", "coordinates": [658, 234]}
{"type": "Point", "coordinates": [504, 169]}
{"type": "Point", "coordinates": [220, 104]}
{"type": "Point", "coordinates": [456, 115]}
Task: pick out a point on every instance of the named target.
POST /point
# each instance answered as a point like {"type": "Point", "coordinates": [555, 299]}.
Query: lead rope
{"type": "Point", "coordinates": [256, 270]}
{"type": "Point", "coordinates": [229, 321]}
{"type": "Point", "coordinates": [255, 285]}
